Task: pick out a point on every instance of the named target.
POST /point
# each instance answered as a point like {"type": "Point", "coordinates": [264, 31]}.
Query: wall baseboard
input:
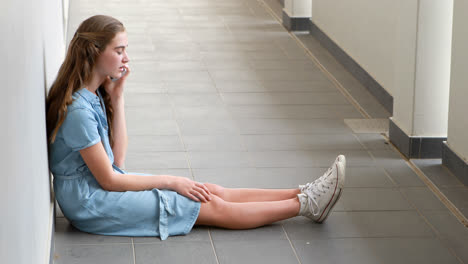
{"type": "Point", "coordinates": [295, 23]}
{"type": "Point", "coordinates": [454, 163]}
{"type": "Point", "coordinates": [415, 147]}
{"type": "Point", "coordinates": [353, 67]}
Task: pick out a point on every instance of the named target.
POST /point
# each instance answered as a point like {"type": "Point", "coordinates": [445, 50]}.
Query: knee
{"type": "Point", "coordinates": [213, 213]}
{"type": "Point", "coordinates": [215, 189]}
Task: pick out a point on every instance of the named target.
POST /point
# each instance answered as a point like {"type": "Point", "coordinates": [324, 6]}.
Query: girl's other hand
{"type": "Point", "coordinates": [115, 88]}
{"type": "Point", "coordinates": [192, 189]}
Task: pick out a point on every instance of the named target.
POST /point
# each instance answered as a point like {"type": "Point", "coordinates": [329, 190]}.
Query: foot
{"type": "Point", "coordinates": [320, 196]}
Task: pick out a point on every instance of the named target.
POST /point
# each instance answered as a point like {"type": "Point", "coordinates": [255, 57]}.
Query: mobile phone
{"type": "Point", "coordinates": [123, 73]}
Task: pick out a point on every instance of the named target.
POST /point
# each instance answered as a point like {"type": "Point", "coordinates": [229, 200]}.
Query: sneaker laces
{"type": "Point", "coordinates": [316, 189]}
{"type": "Point", "coordinates": [307, 185]}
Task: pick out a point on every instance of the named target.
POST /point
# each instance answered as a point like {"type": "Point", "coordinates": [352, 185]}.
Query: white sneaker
{"type": "Point", "coordinates": [320, 196]}
{"type": "Point", "coordinates": [340, 158]}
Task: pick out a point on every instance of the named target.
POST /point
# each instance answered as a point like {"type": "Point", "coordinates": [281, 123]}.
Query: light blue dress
{"type": "Point", "coordinates": [94, 210]}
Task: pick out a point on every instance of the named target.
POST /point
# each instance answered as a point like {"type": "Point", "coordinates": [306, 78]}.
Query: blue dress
{"type": "Point", "coordinates": [94, 210]}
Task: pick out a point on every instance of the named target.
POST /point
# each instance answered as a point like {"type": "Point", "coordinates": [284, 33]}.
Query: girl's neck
{"type": "Point", "coordinates": [94, 83]}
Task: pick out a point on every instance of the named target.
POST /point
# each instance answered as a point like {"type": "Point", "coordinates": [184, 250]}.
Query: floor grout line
{"type": "Point", "coordinates": [212, 245]}
{"type": "Point", "coordinates": [133, 249]}
{"type": "Point", "coordinates": [290, 243]}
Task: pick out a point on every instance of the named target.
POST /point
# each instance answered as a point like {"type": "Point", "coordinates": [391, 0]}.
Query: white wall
{"type": "Point", "coordinates": [422, 67]}
{"type": "Point", "coordinates": [365, 30]}
{"type": "Point", "coordinates": [298, 8]}
{"type": "Point", "coordinates": [458, 109]}
{"type": "Point", "coordinates": [405, 46]}
{"type": "Point", "coordinates": [25, 194]}
{"type": "Point", "coordinates": [405, 64]}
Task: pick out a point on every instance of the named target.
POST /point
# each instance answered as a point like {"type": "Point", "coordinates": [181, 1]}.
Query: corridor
{"type": "Point", "coordinates": [221, 92]}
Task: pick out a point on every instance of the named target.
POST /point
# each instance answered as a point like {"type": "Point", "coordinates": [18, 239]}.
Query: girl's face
{"type": "Point", "coordinates": [111, 62]}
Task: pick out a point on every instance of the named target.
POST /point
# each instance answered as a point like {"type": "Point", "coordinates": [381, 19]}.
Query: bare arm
{"type": "Point", "coordinates": [97, 161]}
{"type": "Point", "coordinates": [119, 126]}
{"type": "Point", "coordinates": [120, 131]}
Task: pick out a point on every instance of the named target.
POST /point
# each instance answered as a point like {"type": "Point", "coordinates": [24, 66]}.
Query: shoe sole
{"type": "Point", "coordinates": [332, 202]}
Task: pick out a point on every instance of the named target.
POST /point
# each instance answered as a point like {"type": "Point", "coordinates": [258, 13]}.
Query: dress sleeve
{"type": "Point", "coordinates": [80, 129]}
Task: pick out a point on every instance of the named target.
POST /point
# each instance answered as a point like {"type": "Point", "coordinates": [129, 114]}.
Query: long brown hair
{"type": "Point", "coordinates": [89, 41]}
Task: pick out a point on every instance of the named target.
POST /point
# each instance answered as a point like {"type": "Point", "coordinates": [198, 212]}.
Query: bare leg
{"type": "Point", "coordinates": [231, 215]}
{"type": "Point", "coordinates": [252, 195]}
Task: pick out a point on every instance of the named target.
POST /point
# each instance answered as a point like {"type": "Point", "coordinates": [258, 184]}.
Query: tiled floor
{"type": "Point", "coordinates": [220, 92]}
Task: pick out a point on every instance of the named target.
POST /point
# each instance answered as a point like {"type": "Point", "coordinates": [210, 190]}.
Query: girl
{"type": "Point", "coordinates": [87, 145]}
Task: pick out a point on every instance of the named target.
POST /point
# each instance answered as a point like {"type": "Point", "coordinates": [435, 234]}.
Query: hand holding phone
{"type": "Point", "coordinates": [123, 73]}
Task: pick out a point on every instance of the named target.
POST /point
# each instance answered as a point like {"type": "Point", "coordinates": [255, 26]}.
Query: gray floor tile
{"type": "Point", "coordinates": [240, 86]}
{"type": "Point", "coordinates": [352, 250]}
{"type": "Point", "coordinates": [175, 252]}
{"type": "Point", "coordinates": [214, 143]}
{"type": "Point", "coordinates": [423, 199]}
{"type": "Point", "coordinates": [292, 126]}
{"type": "Point", "coordinates": [374, 141]}
{"type": "Point", "coordinates": [315, 85]}
{"type": "Point", "coordinates": [359, 224]}
{"type": "Point", "coordinates": [66, 234]}
{"type": "Point", "coordinates": [217, 159]}
{"type": "Point", "coordinates": [146, 99]}
{"type": "Point", "coordinates": [371, 199]}
{"type": "Point", "coordinates": [156, 160]}
{"type": "Point", "coordinates": [458, 196]}
{"type": "Point", "coordinates": [269, 232]}
{"type": "Point", "coordinates": [227, 177]}
{"type": "Point", "coordinates": [403, 176]}
{"type": "Point", "coordinates": [451, 231]}
{"type": "Point", "coordinates": [145, 88]}
{"type": "Point", "coordinates": [266, 55]}
{"type": "Point", "coordinates": [255, 251]}
{"type": "Point", "coordinates": [413, 251]}
{"type": "Point", "coordinates": [198, 76]}
{"type": "Point", "coordinates": [178, 56]}
{"type": "Point", "coordinates": [146, 143]}
{"type": "Point", "coordinates": [301, 142]}
{"type": "Point", "coordinates": [190, 87]}
{"type": "Point", "coordinates": [153, 112]}
{"type": "Point", "coordinates": [367, 177]}
{"type": "Point", "coordinates": [191, 65]}
{"type": "Point", "coordinates": [373, 250]}
{"type": "Point", "coordinates": [202, 112]}
{"type": "Point", "coordinates": [293, 111]}
{"type": "Point", "coordinates": [139, 125]}
{"type": "Point", "coordinates": [191, 127]}
{"type": "Point", "coordinates": [205, 99]}
{"type": "Point", "coordinates": [223, 55]}
{"type": "Point", "coordinates": [322, 158]}
{"type": "Point", "coordinates": [233, 75]}
{"type": "Point", "coordinates": [281, 98]}
{"type": "Point", "coordinates": [437, 173]}
{"type": "Point", "coordinates": [220, 64]}
{"type": "Point", "coordinates": [106, 254]}
{"type": "Point", "coordinates": [396, 168]}
{"type": "Point", "coordinates": [269, 178]}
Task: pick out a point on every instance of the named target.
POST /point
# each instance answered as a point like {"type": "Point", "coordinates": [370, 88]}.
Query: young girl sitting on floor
{"type": "Point", "coordinates": [87, 146]}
